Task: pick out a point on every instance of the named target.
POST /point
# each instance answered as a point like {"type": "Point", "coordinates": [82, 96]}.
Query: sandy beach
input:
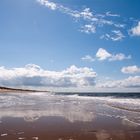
{"type": "Point", "coordinates": [47, 116]}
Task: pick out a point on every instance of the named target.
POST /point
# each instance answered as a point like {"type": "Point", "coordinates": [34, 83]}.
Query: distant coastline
{"type": "Point", "coordinates": [8, 89]}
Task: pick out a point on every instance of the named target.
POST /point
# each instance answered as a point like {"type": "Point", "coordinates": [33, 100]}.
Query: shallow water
{"type": "Point", "coordinates": [49, 116]}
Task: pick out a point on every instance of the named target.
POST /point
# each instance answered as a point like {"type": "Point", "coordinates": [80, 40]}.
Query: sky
{"type": "Point", "coordinates": [61, 45]}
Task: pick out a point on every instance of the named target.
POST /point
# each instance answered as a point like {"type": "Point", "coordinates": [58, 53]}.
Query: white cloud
{"type": "Point", "coordinates": [118, 25]}
{"type": "Point", "coordinates": [88, 58]}
{"type": "Point", "coordinates": [130, 69]}
{"type": "Point", "coordinates": [130, 82]}
{"type": "Point", "coordinates": [119, 57]}
{"type": "Point", "coordinates": [51, 5]}
{"type": "Point", "coordinates": [103, 54]}
{"type": "Point", "coordinates": [112, 15]}
{"type": "Point", "coordinates": [115, 35]}
{"type": "Point", "coordinates": [88, 28]}
{"type": "Point", "coordinates": [91, 21]}
{"type": "Point", "coordinates": [118, 35]}
{"type": "Point", "coordinates": [86, 14]}
{"type": "Point", "coordinates": [33, 75]}
{"type": "Point", "coordinates": [136, 30]}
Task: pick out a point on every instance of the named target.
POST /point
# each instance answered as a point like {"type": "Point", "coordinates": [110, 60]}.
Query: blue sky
{"type": "Point", "coordinates": [92, 45]}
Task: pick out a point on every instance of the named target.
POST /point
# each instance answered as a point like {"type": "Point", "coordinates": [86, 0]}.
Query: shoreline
{"type": "Point", "coordinates": [7, 89]}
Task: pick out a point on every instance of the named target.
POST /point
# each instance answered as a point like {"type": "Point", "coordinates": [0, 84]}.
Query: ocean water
{"type": "Point", "coordinates": [100, 94]}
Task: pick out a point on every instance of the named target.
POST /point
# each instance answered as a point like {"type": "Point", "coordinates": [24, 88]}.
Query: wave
{"type": "Point", "coordinates": [115, 95]}
{"type": "Point", "coordinates": [125, 108]}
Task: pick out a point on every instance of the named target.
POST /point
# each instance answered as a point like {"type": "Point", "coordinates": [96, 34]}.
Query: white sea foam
{"type": "Point", "coordinates": [21, 138]}
{"type": "Point", "coordinates": [3, 135]}
{"type": "Point", "coordinates": [35, 138]}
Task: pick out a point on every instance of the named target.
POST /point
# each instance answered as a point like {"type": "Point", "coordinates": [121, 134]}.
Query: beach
{"type": "Point", "coordinates": [50, 116]}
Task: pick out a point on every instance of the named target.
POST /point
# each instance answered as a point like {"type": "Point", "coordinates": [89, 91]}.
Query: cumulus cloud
{"type": "Point", "coordinates": [130, 69]}
{"type": "Point", "coordinates": [103, 54]}
{"type": "Point", "coordinates": [130, 82]}
{"type": "Point", "coordinates": [33, 75]}
{"type": "Point", "coordinates": [136, 30]}
{"type": "Point", "coordinates": [90, 20]}
{"type": "Point", "coordinates": [88, 58]}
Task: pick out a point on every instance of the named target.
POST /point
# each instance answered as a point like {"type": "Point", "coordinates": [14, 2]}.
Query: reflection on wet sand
{"type": "Point", "coordinates": [72, 112]}
{"type": "Point", "coordinates": [102, 135]}
{"type": "Point", "coordinates": [42, 117]}
{"type": "Point", "coordinates": [33, 115]}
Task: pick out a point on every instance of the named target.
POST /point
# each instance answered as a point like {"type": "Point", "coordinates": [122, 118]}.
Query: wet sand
{"type": "Point", "coordinates": [52, 117]}
{"type": "Point", "coordinates": [57, 128]}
